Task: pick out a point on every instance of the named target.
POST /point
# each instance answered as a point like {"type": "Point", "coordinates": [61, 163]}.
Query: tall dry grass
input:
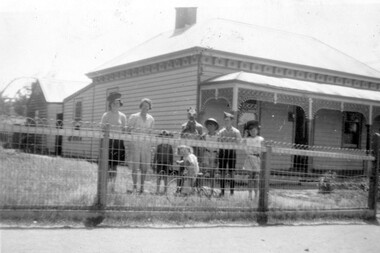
{"type": "Point", "coordinates": [30, 180]}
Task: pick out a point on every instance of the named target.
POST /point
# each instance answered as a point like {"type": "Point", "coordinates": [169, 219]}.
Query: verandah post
{"type": "Point", "coordinates": [102, 169]}
{"type": "Point", "coordinates": [374, 176]}
{"type": "Point", "coordinates": [262, 217]}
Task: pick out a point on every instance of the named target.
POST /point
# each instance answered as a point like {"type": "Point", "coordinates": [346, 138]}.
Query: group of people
{"type": "Point", "coordinates": [193, 159]}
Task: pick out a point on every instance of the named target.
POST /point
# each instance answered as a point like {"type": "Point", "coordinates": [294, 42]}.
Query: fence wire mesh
{"type": "Point", "coordinates": [49, 164]}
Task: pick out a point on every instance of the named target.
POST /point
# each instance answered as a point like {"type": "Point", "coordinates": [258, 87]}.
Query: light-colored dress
{"type": "Point", "coordinates": [252, 161]}
{"type": "Point", "coordinates": [192, 166]}
{"type": "Point", "coordinates": [140, 151]}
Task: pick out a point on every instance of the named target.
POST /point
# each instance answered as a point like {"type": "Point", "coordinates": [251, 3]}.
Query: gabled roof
{"type": "Point", "coordinates": [55, 91]}
{"type": "Point", "coordinates": [245, 40]}
{"type": "Point", "coordinates": [300, 87]}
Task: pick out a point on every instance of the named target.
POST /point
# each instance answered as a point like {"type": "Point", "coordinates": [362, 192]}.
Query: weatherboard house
{"type": "Point", "coordinates": [45, 109]}
{"type": "Point", "coordinates": [301, 90]}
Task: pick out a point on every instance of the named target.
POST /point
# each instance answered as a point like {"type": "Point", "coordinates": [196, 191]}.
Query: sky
{"type": "Point", "coordinates": [67, 39]}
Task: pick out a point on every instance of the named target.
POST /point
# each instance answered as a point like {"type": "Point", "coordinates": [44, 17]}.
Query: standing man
{"type": "Point", "coordinates": [141, 124]}
{"type": "Point", "coordinates": [227, 157]}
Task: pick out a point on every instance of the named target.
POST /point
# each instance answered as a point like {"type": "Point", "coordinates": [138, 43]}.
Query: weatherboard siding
{"type": "Point", "coordinates": [275, 126]}
{"type": "Point", "coordinates": [80, 147]}
{"type": "Point", "coordinates": [172, 93]}
{"type": "Point", "coordinates": [328, 133]}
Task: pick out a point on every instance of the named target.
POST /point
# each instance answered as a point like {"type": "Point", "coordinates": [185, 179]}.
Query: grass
{"type": "Point", "coordinates": [34, 180]}
{"type": "Point", "coordinates": [28, 179]}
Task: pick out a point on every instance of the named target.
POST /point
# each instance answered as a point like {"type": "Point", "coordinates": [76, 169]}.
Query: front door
{"type": "Point", "coordinates": [300, 163]}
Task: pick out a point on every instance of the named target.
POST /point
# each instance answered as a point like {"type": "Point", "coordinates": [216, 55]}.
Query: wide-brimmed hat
{"type": "Point", "coordinates": [228, 115]}
{"type": "Point", "coordinates": [251, 124]}
{"type": "Point", "coordinates": [114, 96]}
{"type": "Point", "coordinates": [212, 121]}
{"type": "Point", "coordinates": [146, 100]}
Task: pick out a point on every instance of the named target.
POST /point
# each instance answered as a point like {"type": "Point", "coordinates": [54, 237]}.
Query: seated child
{"type": "Point", "coordinates": [191, 168]}
{"type": "Point", "coordinates": [163, 161]}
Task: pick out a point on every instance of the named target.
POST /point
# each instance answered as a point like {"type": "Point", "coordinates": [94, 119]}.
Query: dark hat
{"type": "Point", "coordinates": [212, 121]}
{"type": "Point", "coordinates": [191, 111]}
{"type": "Point", "coordinates": [228, 115]}
{"type": "Point", "coordinates": [147, 100]}
{"type": "Point", "coordinates": [165, 133]}
{"type": "Point", "coordinates": [113, 96]}
{"type": "Point", "coordinates": [251, 124]}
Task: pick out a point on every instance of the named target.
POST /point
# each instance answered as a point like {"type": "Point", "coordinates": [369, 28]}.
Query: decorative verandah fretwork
{"type": "Point", "coordinates": [375, 112]}
{"type": "Point", "coordinates": [248, 94]}
{"type": "Point", "coordinates": [310, 105]}
{"type": "Point", "coordinates": [363, 109]}
{"type": "Point", "coordinates": [302, 102]}
{"type": "Point", "coordinates": [319, 104]}
{"type": "Point", "coordinates": [222, 93]}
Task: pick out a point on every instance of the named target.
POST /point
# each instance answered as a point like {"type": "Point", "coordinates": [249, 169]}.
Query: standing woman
{"type": "Point", "coordinates": [252, 163]}
{"type": "Point", "coordinates": [141, 123]}
{"type": "Point", "coordinates": [117, 121]}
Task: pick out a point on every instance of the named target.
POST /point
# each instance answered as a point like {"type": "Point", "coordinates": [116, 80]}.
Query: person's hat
{"type": "Point", "coordinates": [165, 133]}
{"type": "Point", "coordinates": [147, 100]}
{"type": "Point", "coordinates": [212, 121]}
{"type": "Point", "coordinates": [251, 124]}
{"type": "Point", "coordinates": [191, 111]}
{"type": "Point", "coordinates": [228, 115]}
{"type": "Point", "coordinates": [114, 96]}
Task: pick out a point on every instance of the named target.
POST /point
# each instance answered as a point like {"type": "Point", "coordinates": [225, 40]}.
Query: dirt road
{"type": "Point", "coordinates": [322, 238]}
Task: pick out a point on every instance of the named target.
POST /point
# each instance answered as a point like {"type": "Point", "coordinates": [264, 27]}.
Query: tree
{"type": "Point", "coordinates": [15, 106]}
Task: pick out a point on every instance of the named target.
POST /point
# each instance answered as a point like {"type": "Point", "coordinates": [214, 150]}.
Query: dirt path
{"type": "Point", "coordinates": [322, 238]}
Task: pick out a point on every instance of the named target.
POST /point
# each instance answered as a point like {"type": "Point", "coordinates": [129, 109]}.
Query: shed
{"type": "Point", "coordinates": [45, 109]}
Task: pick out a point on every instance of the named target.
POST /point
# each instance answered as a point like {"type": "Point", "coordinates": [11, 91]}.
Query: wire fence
{"type": "Point", "coordinates": [53, 164]}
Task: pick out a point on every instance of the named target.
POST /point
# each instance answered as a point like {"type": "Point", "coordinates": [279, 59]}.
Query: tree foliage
{"type": "Point", "coordinates": [16, 105]}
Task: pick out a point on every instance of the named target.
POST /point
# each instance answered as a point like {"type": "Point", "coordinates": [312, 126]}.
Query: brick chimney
{"type": "Point", "coordinates": [185, 16]}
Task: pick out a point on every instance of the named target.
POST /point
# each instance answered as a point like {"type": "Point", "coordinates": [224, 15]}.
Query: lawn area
{"type": "Point", "coordinates": [27, 179]}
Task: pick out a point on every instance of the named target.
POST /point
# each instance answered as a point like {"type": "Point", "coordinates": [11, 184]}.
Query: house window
{"type": "Point", "coordinates": [77, 114]}
{"type": "Point", "coordinates": [352, 129]}
{"type": "Point", "coordinates": [109, 91]}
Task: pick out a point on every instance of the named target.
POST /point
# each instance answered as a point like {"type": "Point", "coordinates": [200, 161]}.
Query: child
{"type": "Point", "coordinates": [227, 157]}
{"type": "Point", "coordinates": [252, 163]}
{"type": "Point", "coordinates": [190, 163]}
{"type": "Point", "coordinates": [210, 155]}
{"type": "Point", "coordinates": [163, 160]}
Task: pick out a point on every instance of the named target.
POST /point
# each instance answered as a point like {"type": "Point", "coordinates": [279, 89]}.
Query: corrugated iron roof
{"type": "Point", "coordinates": [299, 86]}
{"type": "Point", "coordinates": [249, 40]}
{"type": "Point", "coordinates": [55, 91]}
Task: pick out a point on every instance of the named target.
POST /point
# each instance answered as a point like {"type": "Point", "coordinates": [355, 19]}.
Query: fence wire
{"type": "Point", "coordinates": [49, 164]}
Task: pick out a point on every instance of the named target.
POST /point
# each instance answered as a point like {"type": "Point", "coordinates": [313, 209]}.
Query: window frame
{"type": "Point", "coordinates": [352, 121]}
{"type": "Point", "coordinates": [77, 120]}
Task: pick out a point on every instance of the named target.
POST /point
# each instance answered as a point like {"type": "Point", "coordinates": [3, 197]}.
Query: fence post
{"type": "Point", "coordinates": [262, 217]}
{"type": "Point", "coordinates": [102, 170]}
{"type": "Point", "coordinates": [374, 175]}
